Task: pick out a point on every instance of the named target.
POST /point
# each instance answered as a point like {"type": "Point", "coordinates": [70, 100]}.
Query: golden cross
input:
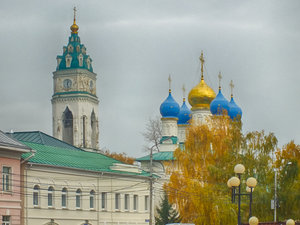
{"type": "Point", "coordinates": [231, 87]}
{"type": "Point", "coordinates": [74, 13]}
{"type": "Point", "coordinates": [202, 63]}
{"type": "Point", "coordinates": [220, 78]}
{"type": "Point", "coordinates": [170, 80]}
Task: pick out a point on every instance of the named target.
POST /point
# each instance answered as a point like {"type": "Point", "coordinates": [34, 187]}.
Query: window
{"type": "Point", "coordinates": [50, 196]}
{"type": "Point", "coordinates": [117, 201]}
{"type": "Point", "coordinates": [126, 202]}
{"type": "Point", "coordinates": [92, 199]}
{"type": "Point", "coordinates": [103, 200]}
{"type": "Point", "coordinates": [36, 192]}
{"type": "Point", "coordinates": [64, 193]}
{"type": "Point", "coordinates": [146, 203]}
{"type": "Point", "coordinates": [5, 220]}
{"type": "Point", "coordinates": [135, 202]}
{"type": "Point", "coordinates": [78, 198]}
{"type": "Point", "coordinates": [6, 178]}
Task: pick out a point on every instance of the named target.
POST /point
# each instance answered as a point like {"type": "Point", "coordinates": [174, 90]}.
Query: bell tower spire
{"type": "Point", "coordinates": [74, 101]}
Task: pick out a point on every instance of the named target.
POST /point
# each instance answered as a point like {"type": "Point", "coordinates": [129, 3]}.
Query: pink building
{"type": "Point", "coordinates": [11, 185]}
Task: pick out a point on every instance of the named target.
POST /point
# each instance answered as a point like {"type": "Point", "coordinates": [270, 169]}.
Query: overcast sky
{"type": "Point", "coordinates": [136, 44]}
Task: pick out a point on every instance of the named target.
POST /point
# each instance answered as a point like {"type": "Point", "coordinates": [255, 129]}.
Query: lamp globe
{"type": "Point", "coordinates": [228, 183]}
{"type": "Point", "coordinates": [251, 182]}
{"type": "Point", "coordinates": [234, 182]}
{"type": "Point", "coordinates": [253, 220]}
{"type": "Point", "coordinates": [290, 222]}
{"type": "Point", "coordinates": [239, 169]}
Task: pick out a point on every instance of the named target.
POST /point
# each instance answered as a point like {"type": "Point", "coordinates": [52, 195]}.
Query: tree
{"type": "Point", "coordinates": [198, 180]}
{"type": "Point", "coordinates": [166, 213]}
{"type": "Point", "coordinates": [123, 157]}
{"type": "Point", "coordinates": [288, 166]}
{"type": "Point", "coordinates": [153, 133]}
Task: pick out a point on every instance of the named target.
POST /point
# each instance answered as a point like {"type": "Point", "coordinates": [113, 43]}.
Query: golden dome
{"type": "Point", "coordinates": [201, 96]}
{"type": "Point", "coordinates": [74, 28]}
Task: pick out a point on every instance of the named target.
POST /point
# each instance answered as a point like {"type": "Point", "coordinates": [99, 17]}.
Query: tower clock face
{"type": "Point", "coordinates": [67, 83]}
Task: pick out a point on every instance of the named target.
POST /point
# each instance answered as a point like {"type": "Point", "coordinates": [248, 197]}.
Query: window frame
{"type": "Point", "coordinates": [50, 197]}
{"type": "Point", "coordinates": [36, 196]}
{"type": "Point", "coordinates": [104, 200]}
{"type": "Point", "coordinates": [92, 199]}
{"type": "Point", "coordinates": [146, 203]}
{"type": "Point", "coordinates": [7, 179]}
{"type": "Point", "coordinates": [135, 202]}
{"type": "Point", "coordinates": [64, 198]}
{"type": "Point", "coordinates": [7, 220]}
{"type": "Point", "coordinates": [117, 201]}
{"type": "Point", "coordinates": [78, 195]}
{"type": "Point", "coordinates": [126, 202]}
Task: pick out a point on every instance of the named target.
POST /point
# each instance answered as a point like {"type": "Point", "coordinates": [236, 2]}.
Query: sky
{"type": "Point", "coordinates": [136, 44]}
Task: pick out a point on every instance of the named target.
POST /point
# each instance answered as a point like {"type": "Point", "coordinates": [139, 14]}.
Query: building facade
{"type": "Point", "coordinates": [11, 194]}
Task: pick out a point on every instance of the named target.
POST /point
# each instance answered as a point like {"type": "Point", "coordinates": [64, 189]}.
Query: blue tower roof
{"type": "Point", "coordinates": [219, 104]}
{"type": "Point", "coordinates": [234, 109]}
{"type": "Point", "coordinates": [74, 54]}
{"type": "Point", "coordinates": [184, 114]}
{"type": "Point", "coordinates": [169, 108]}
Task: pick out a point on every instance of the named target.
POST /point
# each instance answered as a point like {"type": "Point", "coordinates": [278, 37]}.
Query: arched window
{"type": "Point", "coordinates": [50, 196]}
{"type": "Point", "coordinates": [68, 126]}
{"type": "Point", "coordinates": [36, 193]}
{"type": "Point", "coordinates": [94, 130]}
{"type": "Point", "coordinates": [64, 195]}
{"type": "Point", "coordinates": [78, 198]}
{"type": "Point", "coordinates": [92, 199]}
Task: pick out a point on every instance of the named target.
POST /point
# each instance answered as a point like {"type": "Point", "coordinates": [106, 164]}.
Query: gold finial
{"type": "Point", "coordinates": [231, 87]}
{"type": "Point", "coordinates": [183, 91]}
{"type": "Point", "coordinates": [202, 63]}
{"type": "Point", "coordinates": [170, 80]}
{"type": "Point", "coordinates": [220, 78]}
{"type": "Point", "coordinates": [74, 28]}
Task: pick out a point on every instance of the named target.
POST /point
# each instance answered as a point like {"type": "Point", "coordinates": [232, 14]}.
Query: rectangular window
{"type": "Point", "coordinates": [6, 178]}
{"type": "Point", "coordinates": [6, 220]}
{"type": "Point", "coordinates": [117, 201]}
{"type": "Point", "coordinates": [50, 198]}
{"type": "Point", "coordinates": [126, 202]}
{"type": "Point", "coordinates": [103, 200]}
{"type": "Point", "coordinates": [135, 202]}
{"type": "Point", "coordinates": [78, 201]}
{"type": "Point", "coordinates": [64, 200]}
{"type": "Point", "coordinates": [146, 203]}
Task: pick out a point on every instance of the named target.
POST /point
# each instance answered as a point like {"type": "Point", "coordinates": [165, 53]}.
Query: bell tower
{"type": "Point", "coordinates": [74, 101]}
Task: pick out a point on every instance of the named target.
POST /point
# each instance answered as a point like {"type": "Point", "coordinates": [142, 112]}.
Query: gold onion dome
{"type": "Point", "coordinates": [201, 95]}
{"type": "Point", "coordinates": [74, 28]}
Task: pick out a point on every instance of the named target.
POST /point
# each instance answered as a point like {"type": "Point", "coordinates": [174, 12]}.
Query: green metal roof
{"type": "Point", "coordinates": [159, 156]}
{"type": "Point", "coordinates": [41, 138]}
{"type": "Point", "coordinates": [51, 151]}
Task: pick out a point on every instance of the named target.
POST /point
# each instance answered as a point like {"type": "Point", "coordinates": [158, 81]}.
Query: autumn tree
{"type": "Point", "coordinates": [123, 157]}
{"type": "Point", "coordinates": [153, 133]}
{"type": "Point", "coordinates": [288, 166]}
{"type": "Point", "coordinates": [198, 180]}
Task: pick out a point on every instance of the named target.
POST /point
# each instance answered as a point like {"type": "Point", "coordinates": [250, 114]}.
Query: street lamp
{"type": "Point", "coordinates": [253, 221]}
{"type": "Point", "coordinates": [290, 222]}
{"type": "Point", "coordinates": [235, 182]}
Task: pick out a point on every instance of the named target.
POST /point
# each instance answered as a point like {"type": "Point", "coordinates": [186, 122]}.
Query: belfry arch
{"type": "Point", "coordinates": [67, 134]}
{"type": "Point", "coordinates": [94, 130]}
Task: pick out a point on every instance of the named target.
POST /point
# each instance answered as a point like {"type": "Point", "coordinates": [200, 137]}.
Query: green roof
{"type": "Point", "coordinates": [51, 151]}
{"type": "Point", "coordinates": [159, 156]}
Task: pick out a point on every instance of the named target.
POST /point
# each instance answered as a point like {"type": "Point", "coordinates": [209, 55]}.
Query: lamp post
{"type": "Point", "coordinates": [235, 182]}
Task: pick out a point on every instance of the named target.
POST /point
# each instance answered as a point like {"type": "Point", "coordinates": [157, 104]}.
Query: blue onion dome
{"type": "Point", "coordinates": [184, 114]}
{"type": "Point", "coordinates": [74, 54]}
{"type": "Point", "coordinates": [169, 108]}
{"type": "Point", "coordinates": [219, 104]}
{"type": "Point", "coordinates": [234, 109]}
